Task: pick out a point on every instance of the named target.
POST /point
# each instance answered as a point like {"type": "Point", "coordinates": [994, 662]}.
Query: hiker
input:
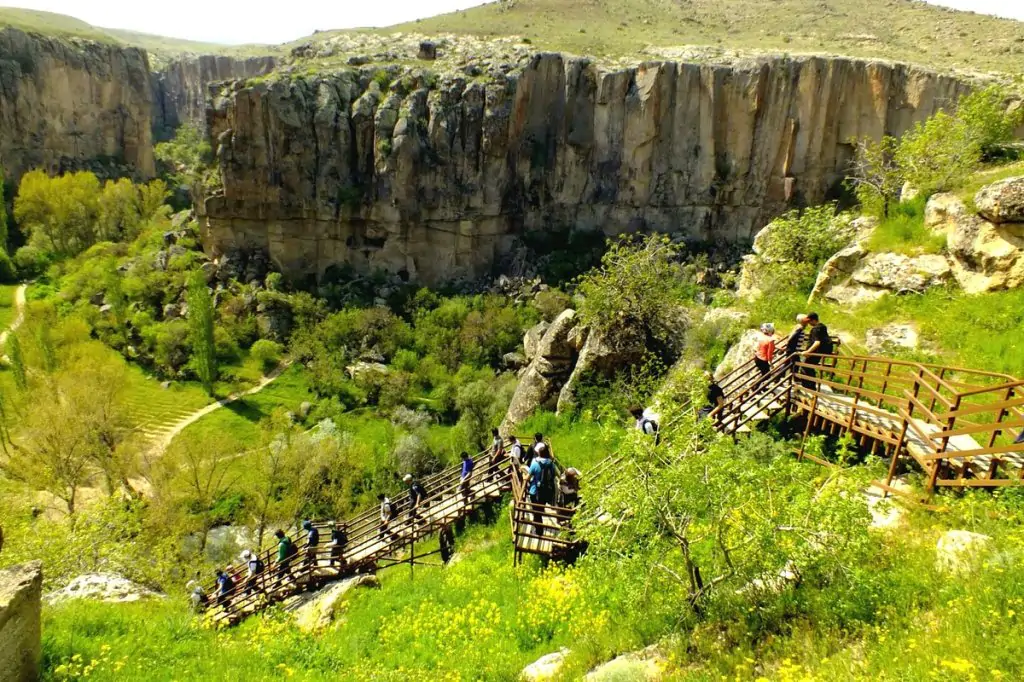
{"type": "Point", "coordinates": [765, 352]}
{"type": "Point", "coordinates": [569, 488]}
{"type": "Point", "coordinates": [516, 451]}
{"type": "Point", "coordinates": [466, 475]}
{"type": "Point", "coordinates": [197, 595]}
{"type": "Point", "coordinates": [387, 514]}
{"type": "Point", "coordinates": [796, 338]}
{"type": "Point", "coordinates": [542, 482]}
{"type": "Point", "coordinates": [417, 493]}
{"type": "Point", "coordinates": [1019, 439]}
{"type": "Point", "coordinates": [820, 345]}
{"type": "Point", "coordinates": [339, 540]}
{"type": "Point", "coordinates": [540, 447]}
{"type": "Point", "coordinates": [497, 455]}
{"type": "Point", "coordinates": [312, 544]}
{"type": "Point", "coordinates": [715, 397]}
{"type": "Point", "coordinates": [286, 552]}
{"type": "Point", "coordinates": [225, 585]}
{"type": "Point", "coordinates": [646, 421]}
{"type": "Point", "coordinates": [253, 570]}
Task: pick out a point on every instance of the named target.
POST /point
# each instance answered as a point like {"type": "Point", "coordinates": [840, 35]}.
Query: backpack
{"type": "Point", "coordinates": [290, 548]}
{"type": "Point", "coordinates": [257, 566]}
{"type": "Point", "coordinates": [547, 479]}
{"type": "Point", "coordinates": [418, 489]}
{"type": "Point", "coordinates": [826, 347]}
{"type": "Point", "coordinates": [649, 426]}
{"type": "Point", "coordinates": [313, 538]}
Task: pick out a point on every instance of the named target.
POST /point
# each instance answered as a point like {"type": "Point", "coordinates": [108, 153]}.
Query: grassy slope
{"type": "Point", "coordinates": [6, 304]}
{"type": "Point", "coordinates": [894, 29]}
{"type": "Point", "coordinates": [50, 23]}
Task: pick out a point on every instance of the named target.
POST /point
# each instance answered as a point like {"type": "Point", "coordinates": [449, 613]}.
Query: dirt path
{"type": "Point", "coordinates": [165, 437]}
{"type": "Point", "coordinates": [19, 312]}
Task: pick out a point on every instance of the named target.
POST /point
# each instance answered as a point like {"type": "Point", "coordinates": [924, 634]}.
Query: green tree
{"type": "Point", "coordinates": [988, 117]}
{"type": "Point", "coordinates": [637, 286]}
{"type": "Point", "coordinates": [875, 174]}
{"type": "Point", "coordinates": [59, 214]}
{"type": "Point", "coordinates": [200, 319]}
{"type": "Point", "coordinates": [939, 153]}
{"type": "Point", "coordinates": [118, 214]}
{"type": "Point", "coordinates": [188, 157]}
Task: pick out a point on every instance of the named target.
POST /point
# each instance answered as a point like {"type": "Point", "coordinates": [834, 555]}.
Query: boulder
{"type": "Point", "coordinates": [551, 364]}
{"type": "Point", "coordinates": [531, 340]}
{"type": "Point", "coordinates": [749, 288]}
{"type": "Point", "coordinates": [362, 370]}
{"type": "Point", "coordinates": [899, 273]}
{"type": "Point", "coordinates": [304, 409]}
{"type": "Point", "coordinates": [943, 211]}
{"type": "Point", "coordinates": [958, 551]}
{"type": "Point", "coordinates": [836, 271]}
{"type": "Point", "coordinates": [546, 667]}
{"type": "Point", "coordinates": [604, 356]}
{"type": "Point", "coordinates": [908, 193]}
{"type": "Point", "coordinates": [315, 611]}
{"type": "Point", "coordinates": [428, 50]}
{"type": "Point", "coordinates": [986, 256]}
{"type": "Point", "coordinates": [513, 361]}
{"type": "Point", "coordinates": [1003, 201]}
{"type": "Point", "coordinates": [646, 665]}
{"type": "Point", "coordinates": [108, 587]}
{"type": "Point", "coordinates": [884, 340]}
{"type": "Point", "coordinates": [20, 622]}
{"type": "Point", "coordinates": [739, 353]}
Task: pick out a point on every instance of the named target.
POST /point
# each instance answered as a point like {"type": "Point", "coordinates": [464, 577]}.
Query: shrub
{"type": "Point", "coordinates": [8, 272]}
{"type": "Point", "coordinates": [31, 261]}
{"type": "Point", "coordinates": [266, 353]}
{"type": "Point", "coordinates": [811, 236]}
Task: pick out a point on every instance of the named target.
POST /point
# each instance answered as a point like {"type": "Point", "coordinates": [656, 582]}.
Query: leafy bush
{"type": "Point", "coordinates": [904, 231]}
{"type": "Point", "coordinates": [810, 236]}
{"type": "Point", "coordinates": [31, 261]}
{"type": "Point", "coordinates": [266, 353]}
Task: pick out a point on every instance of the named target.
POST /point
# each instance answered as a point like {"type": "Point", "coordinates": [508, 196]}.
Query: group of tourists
{"type": "Point", "coordinates": [545, 486]}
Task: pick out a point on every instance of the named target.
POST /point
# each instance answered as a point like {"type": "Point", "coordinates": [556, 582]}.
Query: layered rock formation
{"type": "Point", "coordinates": [66, 103]}
{"type": "Point", "coordinates": [434, 176]}
{"type": "Point", "coordinates": [180, 87]}
{"type": "Point", "coordinates": [20, 622]}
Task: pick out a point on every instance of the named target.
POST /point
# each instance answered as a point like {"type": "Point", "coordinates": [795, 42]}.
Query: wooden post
{"type": "Point", "coordinates": [888, 373]}
{"type": "Point", "coordinates": [895, 455]}
{"type": "Point", "coordinates": [807, 427]}
{"type": "Point", "coordinates": [999, 419]}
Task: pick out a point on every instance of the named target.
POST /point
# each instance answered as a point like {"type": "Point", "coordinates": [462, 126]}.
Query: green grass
{"type": "Point", "coordinates": [51, 23]}
{"type": "Point", "coordinates": [904, 232]}
{"type": "Point", "coordinates": [7, 310]}
{"type": "Point", "coordinates": [893, 29]}
{"type": "Point", "coordinates": [987, 177]}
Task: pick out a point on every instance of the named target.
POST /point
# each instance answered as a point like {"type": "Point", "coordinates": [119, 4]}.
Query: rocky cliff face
{"type": "Point", "coordinates": [65, 103]}
{"type": "Point", "coordinates": [180, 88]}
{"type": "Point", "coordinates": [435, 176]}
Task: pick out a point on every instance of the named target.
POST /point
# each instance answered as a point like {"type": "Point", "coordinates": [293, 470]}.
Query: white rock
{"type": "Point", "coordinates": [725, 316]}
{"type": "Point", "coordinates": [315, 611]}
{"type": "Point", "coordinates": [880, 340]}
{"type": "Point", "coordinates": [108, 587]}
{"type": "Point", "coordinates": [646, 665]}
{"type": "Point", "coordinates": [957, 551]}
{"type": "Point", "coordinates": [546, 667]}
{"type": "Point", "coordinates": [739, 353]}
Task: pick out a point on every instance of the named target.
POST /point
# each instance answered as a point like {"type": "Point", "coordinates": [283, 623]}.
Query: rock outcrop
{"type": "Point", "coordinates": [599, 356]}
{"type": "Point", "coordinates": [646, 665]}
{"type": "Point", "coordinates": [984, 256]}
{"type": "Point", "coordinates": [1002, 202]}
{"type": "Point", "coordinates": [546, 667]}
{"type": "Point", "coordinates": [740, 352]}
{"type": "Point", "coordinates": [892, 337]}
{"type": "Point", "coordinates": [959, 551]}
{"type": "Point", "coordinates": [552, 358]}
{"type": "Point", "coordinates": [108, 587]}
{"type": "Point", "coordinates": [70, 103]}
{"type": "Point", "coordinates": [853, 276]}
{"type": "Point", "coordinates": [180, 88]}
{"type": "Point", "coordinates": [315, 611]}
{"type": "Point", "coordinates": [20, 622]}
{"type": "Point", "coordinates": [435, 176]}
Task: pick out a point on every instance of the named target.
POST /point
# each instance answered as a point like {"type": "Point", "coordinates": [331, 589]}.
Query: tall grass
{"type": "Point", "coordinates": [904, 231]}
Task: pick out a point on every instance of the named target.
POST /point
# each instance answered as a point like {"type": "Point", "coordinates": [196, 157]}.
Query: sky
{"type": "Point", "coordinates": [279, 21]}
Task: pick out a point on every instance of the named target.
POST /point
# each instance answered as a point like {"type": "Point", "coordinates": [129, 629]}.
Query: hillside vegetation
{"type": "Point", "coordinates": [893, 29]}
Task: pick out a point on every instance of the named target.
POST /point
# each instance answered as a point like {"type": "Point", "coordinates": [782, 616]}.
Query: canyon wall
{"type": "Point", "coordinates": [20, 622]}
{"type": "Point", "coordinates": [435, 177]}
{"type": "Point", "coordinates": [180, 87]}
{"type": "Point", "coordinates": [66, 103]}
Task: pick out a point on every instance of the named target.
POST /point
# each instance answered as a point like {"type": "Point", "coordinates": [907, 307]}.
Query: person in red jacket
{"type": "Point", "coordinates": [765, 349]}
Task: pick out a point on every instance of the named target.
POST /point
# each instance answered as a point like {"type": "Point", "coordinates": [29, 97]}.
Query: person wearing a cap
{"type": "Point", "coordinates": [765, 349]}
{"type": "Point", "coordinates": [417, 494]}
{"type": "Point", "coordinates": [569, 488]}
{"type": "Point", "coordinates": [253, 569]}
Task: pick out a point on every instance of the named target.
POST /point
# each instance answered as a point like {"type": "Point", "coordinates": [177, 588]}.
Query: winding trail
{"type": "Point", "coordinates": [162, 439]}
{"type": "Point", "coordinates": [19, 313]}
